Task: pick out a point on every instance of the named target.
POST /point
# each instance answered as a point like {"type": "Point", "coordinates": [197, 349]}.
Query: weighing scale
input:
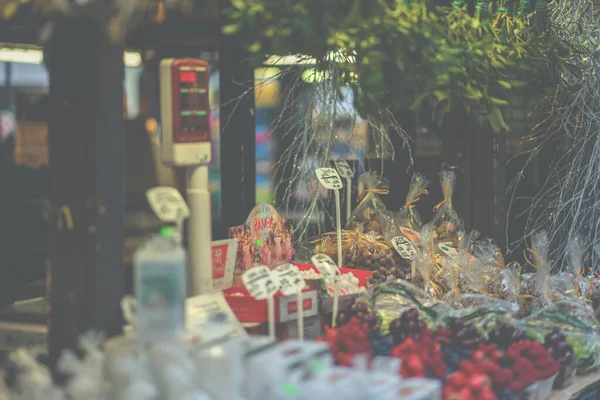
{"type": "Point", "coordinates": [185, 142]}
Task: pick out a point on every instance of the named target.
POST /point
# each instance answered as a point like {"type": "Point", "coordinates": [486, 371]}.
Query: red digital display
{"type": "Point", "coordinates": [187, 77]}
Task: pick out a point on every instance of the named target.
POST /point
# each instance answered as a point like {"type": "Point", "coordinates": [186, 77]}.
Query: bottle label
{"type": "Point", "coordinates": [160, 303]}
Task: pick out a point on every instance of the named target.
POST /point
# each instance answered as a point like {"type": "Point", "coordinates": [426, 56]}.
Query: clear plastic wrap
{"type": "Point", "coordinates": [428, 265]}
{"type": "Point", "coordinates": [365, 217]}
{"type": "Point", "coordinates": [369, 252]}
{"type": "Point", "coordinates": [577, 322]}
{"type": "Point", "coordinates": [447, 225]}
{"type": "Point", "coordinates": [535, 290]}
{"type": "Point", "coordinates": [580, 285]}
{"type": "Point", "coordinates": [408, 216]}
{"type": "Point", "coordinates": [391, 299]}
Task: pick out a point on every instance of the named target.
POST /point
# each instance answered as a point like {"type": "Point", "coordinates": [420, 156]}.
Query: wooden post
{"type": "Point", "coordinates": [86, 168]}
{"type": "Point", "coordinates": [238, 131]}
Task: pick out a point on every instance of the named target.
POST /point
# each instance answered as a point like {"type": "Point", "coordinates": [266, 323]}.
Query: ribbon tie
{"type": "Point", "coordinates": [411, 204]}
{"type": "Point", "coordinates": [447, 189]}
{"type": "Point", "coordinates": [366, 194]}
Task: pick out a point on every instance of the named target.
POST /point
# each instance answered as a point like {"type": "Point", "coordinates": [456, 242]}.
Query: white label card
{"type": "Point", "coordinates": [404, 247]}
{"type": "Point", "coordinates": [449, 248]}
{"type": "Point", "coordinates": [325, 265]}
{"type": "Point", "coordinates": [168, 204]}
{"type": "Point", "coordinates": [343, 168]}
{"type": "Point", "coordinates": [290, 280]}
{"type": "Point", "coordinates": [329, 178]}
{"type": "Point", "coordinates": [260, 282]}
{"type": "Point", "coordinates": [209, 317]}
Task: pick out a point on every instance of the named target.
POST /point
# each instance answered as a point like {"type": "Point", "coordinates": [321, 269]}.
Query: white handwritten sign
{"type": "Point", "coordinates": [404, 247]}
{"type": "Point", "coordinates": [289, 278]}
{"type": "Point", "coordinates": [329, 178]}
{"type": "Point", "coordinates": [168, 204]}
{"type": "Point", "coordinates": [325, 265]}
{"type": "Point", "coordinates": [260, 282]}
{"type": "Point", "coordinates": [343, 168]}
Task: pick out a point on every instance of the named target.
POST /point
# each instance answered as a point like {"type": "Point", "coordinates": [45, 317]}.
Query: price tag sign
{"type": "Point", "coordinates": [329, 178]}
{"type": "Point", "coordinates": [449, 248]}
{"type": "Point", "coordinates": [325, 265]}
{"type": "Point", "coordinates": [260, 282]}
{"type": "Point", "coordinates": [168, 204]}
{"type": "Point", "coordinates": [343, 168]}
{"type": "Point", "coordinates": [289, 278]}
{"type": "Point", "coordinates": [404, 247]}
{"type": "Point", "coordinates": [209, 318]}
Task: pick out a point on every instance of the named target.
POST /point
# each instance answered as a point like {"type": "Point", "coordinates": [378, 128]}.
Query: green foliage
{"type": "Point", "coordinates": [408, 52]}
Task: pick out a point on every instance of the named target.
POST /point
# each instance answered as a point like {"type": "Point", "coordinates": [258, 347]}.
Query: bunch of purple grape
{"type": "Point", "coordinates": [557, 346]}
{"type": "Point", "coordinates": [505, 335]}
{"type": "Point", "coordinates": [360, 311]}
{"type": "Point", "coordinates": [407, 325]}
{"type": "Point", "coordinates": [464, 335]}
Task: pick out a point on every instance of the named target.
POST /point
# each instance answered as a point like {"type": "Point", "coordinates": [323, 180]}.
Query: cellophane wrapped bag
{"type": "Point", "coordinates": [408, 217]}
{"type": "Point", "coordinates": [535, 290]}
{"type": "Point", "coordinates": [366, 216]}
{"type": "Point", "coordinates": [428, 266]}
{"type": "Point", "coordinates": [580, 286]}
{"type": "Point", "coordinates": [447, 225]}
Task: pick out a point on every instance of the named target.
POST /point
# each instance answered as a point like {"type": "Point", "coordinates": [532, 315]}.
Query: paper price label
{"type": "Point", "coordinates": [168, 204]}
{"type": "Point", "coordinates": [325, 265]}
{"type": "Point", "coordinates": [343, 168]}
{"type": "Point", "coordinates": [329, 178]}
{"type": "Point", "coordinates": [209, 318]}
{"type": "Point", "coordinates": [412, 235]}
{"type": "Point", "coordinates": [260, 282]}
{"type": "Point", "coordinates": [290, 280]}
{"type": "Point", "coordinates": [449, 248]}
{"type": "Point", "coordinates": [404, 247]}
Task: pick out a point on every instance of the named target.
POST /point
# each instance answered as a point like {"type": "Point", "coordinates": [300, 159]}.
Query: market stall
{"type": "Point", "coordinates": [379, 302]}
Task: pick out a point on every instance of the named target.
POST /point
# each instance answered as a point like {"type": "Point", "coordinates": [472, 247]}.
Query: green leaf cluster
{"type": "Point", "coordinates": [411, 52]}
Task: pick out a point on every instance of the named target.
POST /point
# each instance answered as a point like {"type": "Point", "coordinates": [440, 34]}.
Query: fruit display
{"type": "Point", "coordinates": [557, 346]}
{"type": "Point", "coordinates": [502, 363]}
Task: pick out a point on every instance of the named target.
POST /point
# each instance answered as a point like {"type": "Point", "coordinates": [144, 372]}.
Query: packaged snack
{"type": "Point", "coordinates": [408, 217]}
{"type": "Point", "coordinates": [365, 217]}
{"type": "Point", "coordinates": [448, 227]}
{"type": "Point", "coordinates": [391, 299]}
{"type": "Point", "coordinates": [535, 287]}
{"type": "Point", "coordinates": [428, 265]}
{"type": "Point", "coordinates": [367, 252]}
{"type": "Point", "coordinates": [580, 286]}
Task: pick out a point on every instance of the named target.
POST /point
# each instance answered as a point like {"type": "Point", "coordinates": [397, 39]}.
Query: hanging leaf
{"type": "Point", "coordinates": [496, 120]}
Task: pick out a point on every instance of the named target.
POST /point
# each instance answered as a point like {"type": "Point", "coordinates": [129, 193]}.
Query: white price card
{"type": "Point", "coordinates": [325, 265]}
{"type": "Point", "coordinates": [343, 168]}
{"type": "Point", "coordinates": [449, 248]}
{"type": "Point", "coordinates": [168, 204]}
{"type": "Point", "coordinates": [329, 178]}
{"type": "Point", "coordinates": [209, 318]}
{"type": "Point", "coordinates": [260, 282]}
{"type": "Point", "coordinates": [404, 247]}
{"type": "Point", "coordinates": [290, 279]}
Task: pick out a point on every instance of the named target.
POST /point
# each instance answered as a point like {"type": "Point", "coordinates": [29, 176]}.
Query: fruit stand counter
{"type": "Point", "coordinates": [584, 388]}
